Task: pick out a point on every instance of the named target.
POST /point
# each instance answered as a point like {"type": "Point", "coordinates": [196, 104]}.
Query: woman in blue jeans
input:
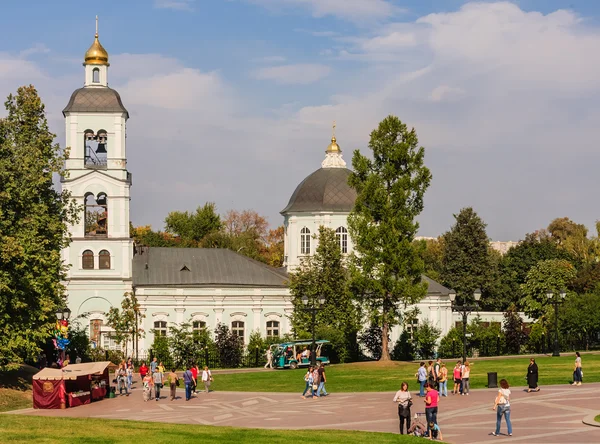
{"type": "Point", "coordinates": [422, 378]}
{"type": "Point", "coordinates": [308, 377]}
{"type": "Point", "coordinates": [502, 407]}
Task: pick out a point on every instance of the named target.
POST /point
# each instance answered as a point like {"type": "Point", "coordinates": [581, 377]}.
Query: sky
{"type": "Point", "coordinates": [232, 101]}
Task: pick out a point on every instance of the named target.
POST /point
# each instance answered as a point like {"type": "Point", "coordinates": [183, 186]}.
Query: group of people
{"type": "Point", "coordinates": [432, 397]}
{"type": "Point", "coordinates": [436, 375]}
{"type": "Point", "coordinates": [155, 377]}
{"type": "Point", "coordinates": [315, 379]}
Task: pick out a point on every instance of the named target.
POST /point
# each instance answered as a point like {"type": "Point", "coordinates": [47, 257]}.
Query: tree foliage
{"type": "Point", "coordinates": [125, 321]}
{"type": "Point", "coordinates": [466, 263]}
{"type": "Point", "coordinates": [513, 331]}
{"type": "Point", "coordinates": [230, 347]}
{"type": "Point", "coordinates": [371, 341]}
{"type": "Point", "coordinates": [552, 275]}
{"type": "Point", "coordinates": [324, 275]}
{"type": "Point", "coordinates": [425, 339]}
{"type": "Point", "coordinates": [34, 220]}
{"type": "Point", "coordinates": [193, 227]}
{"type": "Point", "coordinates": [387, 267]}
{"type": "Point", "coordinates": [432, 253]}
{"type": "Point", "coordinates": [404, 350]}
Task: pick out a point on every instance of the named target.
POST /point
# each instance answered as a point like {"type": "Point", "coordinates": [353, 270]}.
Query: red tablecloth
{"type": "Point", "coordinates": [98, 393]}
{"type": "Point", "coordinates": [79, 399]}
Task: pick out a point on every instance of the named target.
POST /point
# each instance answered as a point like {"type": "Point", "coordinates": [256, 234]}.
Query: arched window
{"type": "Point", "coordinates": [272, 329]}
{"type": "Point", "coordinates": [96, 75]}
{"type": "Point", "coordinates": [342, 237]}
{"type": "Point", "coordinates": [237, 328]}
{"type": "Point", "coordinates": [87, 260]}
{"type": "Point", "coordinates": [160, 328]}
{"type": "Point", "coordinates": [197, 328]}
{"type": "Point", "coordinates": [305, 241]}
{"type": "Point", "coordinates": [104, 260]}
{"type": "Point", "coordinates": [96, 215]}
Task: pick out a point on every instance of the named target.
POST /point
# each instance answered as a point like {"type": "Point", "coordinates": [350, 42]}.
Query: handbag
{"type": "Point", "coordinates": [409, 403]}
{"type": "Point", "coordinates": [315, 386]}
{"type": "Point", "coordinates": [177, 382]}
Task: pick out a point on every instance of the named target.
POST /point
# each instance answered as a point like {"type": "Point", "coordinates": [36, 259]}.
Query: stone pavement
{"type": "Point", "coordinates": [553, 415]}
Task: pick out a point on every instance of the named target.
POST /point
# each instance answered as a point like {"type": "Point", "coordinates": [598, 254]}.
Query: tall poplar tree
{"type": "Point", "coordinates": [387, 267]}
{"type": "Point", "coordinates": [466, 264]}
{"type": "Point", "coordinates": [33, 228]}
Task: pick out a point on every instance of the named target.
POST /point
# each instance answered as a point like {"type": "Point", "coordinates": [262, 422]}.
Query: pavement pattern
{"type": "Point", "coordinates": [552, 415]}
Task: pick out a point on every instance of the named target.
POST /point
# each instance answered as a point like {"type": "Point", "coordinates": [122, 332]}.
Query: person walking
{"type": "Point", "coordinates": [466, 373]}
{"type": "Point", "coordinates": [158, 379]}
{"type": "Point", "coordinates": [129, 373]}
{"type": "Point", "coordinates": [147, 384]}
{"type": "Point", "coordinates": [173, 383]}
{"type": "Point", "coordinates": [436, 373]}
{"type": "Point", "coordinates": [532, 376]}
{"type": "Point", "coordinates": [309, 381]}
{"type": "Point", "coordinates": [430, 374]}
{"type": "Point", "coordinates": [457, 376]}
{"type": "Point", "coordinates": [207, 378]}
{"type": "Point", "coordinates": [422, 378]}
{"type": "Point", "coordinates": [443, 380]}
{"type": "Point", "coordinates": [432, 398]}
{"type": "Point", "coordinates": [404, 401]}
{"type": "Point", "coordinates": [322, 380]}
{"type": "Point", "coordinates": [269, 355]}
{"type": "Point", "coordinates": [143, 370]}
{"type": "Point", "coordinates": [316, 382]}
{"type": "Point", "coordinates": [153, 365]}
{"type": "Point", "coordinates": [577, 372]}
{"type": "Point", "coordinates": [188, 381]}
{"type": "Point", "coordinates": [502, 407]}
{"type": "Point", "coordinates": [195, 370]}
{"type": "Point", "coordinates": [122, 379]}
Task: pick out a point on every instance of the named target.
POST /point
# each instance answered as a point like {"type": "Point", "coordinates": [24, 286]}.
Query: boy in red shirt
{"type": "Point", "coordinates": [143, 370]}
{"type": "Point", "coordinates": [194, 370]}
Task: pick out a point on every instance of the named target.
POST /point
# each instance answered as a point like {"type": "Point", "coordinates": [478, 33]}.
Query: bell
{"type": "Point", "coordinates": [101, 148]}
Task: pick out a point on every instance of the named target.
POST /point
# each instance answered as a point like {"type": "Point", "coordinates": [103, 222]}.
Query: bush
{"type": "Point", "coordinates": [425, 340]}
{"type": "Point", "coordinates": [370, 339]}
{"type": "Point", "coordinates": [230, 347]}
{"type": "Point", "coordinates": [160, 349]}
{"type": "Point", "coordinates": [404, 349]}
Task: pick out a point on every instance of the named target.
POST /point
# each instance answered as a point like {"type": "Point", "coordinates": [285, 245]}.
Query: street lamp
{"type": "Point", "coordinates": [556, 301]}
{"type": "Point", "coordinates": [61, 333]}
{"type": "Point", "coordinates": [465, 310]}
{"type": "Point", "coordinates": [313, 311]}
{"type": "Point", "coordinates": [63, 313]}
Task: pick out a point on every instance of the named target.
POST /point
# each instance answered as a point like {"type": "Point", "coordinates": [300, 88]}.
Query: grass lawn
{"type": "Point", "coordinates": [597, 418]}
{"type": "Point", "coordinates": [15, 388]}
{"type": "Point", "coordinates": [28, 429]}
{"type": "Point", "coordinates": [386, 377]}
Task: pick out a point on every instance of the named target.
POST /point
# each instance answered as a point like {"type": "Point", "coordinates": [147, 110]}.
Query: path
{"type": "Point", "coordinates": [553, 415]}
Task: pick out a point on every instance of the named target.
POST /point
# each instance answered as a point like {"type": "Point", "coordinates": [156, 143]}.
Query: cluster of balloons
{"type": "Point", "coordinates": [61, 333]}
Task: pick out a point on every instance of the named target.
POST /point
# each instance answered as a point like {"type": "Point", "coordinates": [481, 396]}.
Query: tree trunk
{"type": "Point", "coordinates": [385, 349]}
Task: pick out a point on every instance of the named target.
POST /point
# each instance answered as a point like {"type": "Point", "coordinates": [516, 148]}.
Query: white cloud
{"type": "Point", "coordinates": [352, 10]}
{"type": "Point", "coordinates": [178, 5]}
{"type": "Point", "coordinates": [302, 73]}
{"type": "Point", "coordinates": [38, 48]}
{"type": "Point", "coordinates": [445, 92]}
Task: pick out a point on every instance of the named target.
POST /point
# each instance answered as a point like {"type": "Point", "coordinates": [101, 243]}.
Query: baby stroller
{"type": "Point", "coordinates": [418, 428]}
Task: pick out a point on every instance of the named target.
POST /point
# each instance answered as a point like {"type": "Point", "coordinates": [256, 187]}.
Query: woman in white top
{"type": "Point", "coordinates": [404, 401]}
{"type": "Point", "coordinates": [207, 378]}
{"type": "Point", "coordinates": [577, 373]}
{"type": "Point", "coordinates": [502, 407]}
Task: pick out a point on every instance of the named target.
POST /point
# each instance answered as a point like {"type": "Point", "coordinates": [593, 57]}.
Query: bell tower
{"type": "Point", "coordinates": [101, 252]}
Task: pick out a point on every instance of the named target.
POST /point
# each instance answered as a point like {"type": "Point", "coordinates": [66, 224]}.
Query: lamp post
{"type": "Point", "coordinates": [313, 309]}
{"type": "Point", "coordinates": [465, 310]}
{"type": "Point", "coordinates": [554, 300]}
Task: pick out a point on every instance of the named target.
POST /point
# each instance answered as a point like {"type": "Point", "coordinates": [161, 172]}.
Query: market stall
{"type": "Point", "coordinates": [71, 386]}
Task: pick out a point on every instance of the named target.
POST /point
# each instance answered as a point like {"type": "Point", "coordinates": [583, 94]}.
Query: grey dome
{"type": "Point", "coordinates": [326, 189]}
{"type": "Point", "coordinates": [95, 100]}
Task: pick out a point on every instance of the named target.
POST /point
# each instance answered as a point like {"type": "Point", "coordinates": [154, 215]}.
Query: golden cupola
{"type": "Point", "coordinates": [96, 55]}
{"type": "Point", "coordinates": [333, 146]}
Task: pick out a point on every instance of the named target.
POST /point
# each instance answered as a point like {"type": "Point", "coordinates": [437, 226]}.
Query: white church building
{"type": "Point", "coordinates": [173, 285]}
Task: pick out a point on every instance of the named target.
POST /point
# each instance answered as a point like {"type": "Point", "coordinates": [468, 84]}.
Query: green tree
{"type": "Point", "coordinates": [432, 253]}
{"type": "Point", "coordinates": [125, 321]}
{"type": "Point", "coordinates": [323, 275]}
{"type": "Point", "coordinates": [160, 349]}
{"type": "Point", "coordinates": [425, 339]}
{"type": "Point", "coordinates": [513, 330]}
{"type": "Point", "coordinates": [572, 238]}
{"type": "Point", "coordinates": [551, 275]}
{"type": "Point", "coordinates": [183, 347]}
{"type": "Point", "coordinates": [193, 227]}
{"type": "Point", "coordinates": [387, 266]}
{"type": "Point", "coordinates": [34, 220]}
{"type": "Point", "coordinates": [579, 319]}
{"type": "Point", "coordinates": [371, 340]}
{"type": "Point", "coordinates": [466, 264]}
{"type": "Point", "coordinates": [404, 350]}
{"type": "Point", "coordinates": [451, 344]}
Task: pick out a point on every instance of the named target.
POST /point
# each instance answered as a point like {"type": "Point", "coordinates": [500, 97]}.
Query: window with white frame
{"type": "Point", "coordinates": [160, 328]}
{"type": "Point", "coordinates": [305, 241]}
{"type": "Point", "coordinates": [237, 328]}
{"type": "Point", "coordinates": [272, 329]}
{"type": "Point", "coordinates": [197, 328]}
{"type": "Point", "coordinates": [110, 343]}
{"type": "Point", "coordinates": [342, 237]}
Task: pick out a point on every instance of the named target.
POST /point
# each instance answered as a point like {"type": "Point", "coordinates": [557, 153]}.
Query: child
{"type": "Point", "coordinates": [434, 431]}
{"type": "Point", "coordinates": [417, 428]}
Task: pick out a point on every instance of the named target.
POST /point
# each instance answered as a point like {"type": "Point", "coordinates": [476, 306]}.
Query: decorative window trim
{"type": "Point", "coordinates": [197, 316]}
{"type": "Point", "coordinates": [273, 314]}
{"type": "Point", "coordinates": [238, 313]}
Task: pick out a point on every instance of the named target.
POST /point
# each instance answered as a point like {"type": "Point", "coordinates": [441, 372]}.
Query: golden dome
{"type": "Point", "coordinates": [96, 55]}
{"type": "Point", "coordinates": [333, 146]}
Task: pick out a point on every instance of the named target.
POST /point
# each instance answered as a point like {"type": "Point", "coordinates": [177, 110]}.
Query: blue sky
{"type": "Point", "coordinates": [232, 101]}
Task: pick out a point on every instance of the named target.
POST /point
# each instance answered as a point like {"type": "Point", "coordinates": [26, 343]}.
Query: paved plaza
{"type": "Point", "coordinates": [553, 415]}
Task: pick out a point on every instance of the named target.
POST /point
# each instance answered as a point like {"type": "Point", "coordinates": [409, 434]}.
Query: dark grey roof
{"type": "Point", "coordinates": [165, 267]}
{"type": "Point", "coordinates": [95, 99]}
{"type": "Point", "coordinates": [326, 189]}
{"type": "Point", "coordinates": [435, 287]}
